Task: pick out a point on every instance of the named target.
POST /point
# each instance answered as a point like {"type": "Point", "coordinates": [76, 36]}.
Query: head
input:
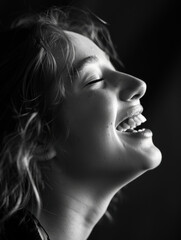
{"type": "Point", "coordinates": [63, 101]}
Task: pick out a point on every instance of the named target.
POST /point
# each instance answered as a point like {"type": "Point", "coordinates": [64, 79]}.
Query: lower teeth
{"type": "Point", "coordinates": [139, 130]}
{"type": "Point", "coordinates": [134, 131]}
{"type": "Point", "coordinates": [130, 130]}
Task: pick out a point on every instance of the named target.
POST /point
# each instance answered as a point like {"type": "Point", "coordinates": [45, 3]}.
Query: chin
{"type": "Point", "coordinates": [152, 158]}
{"type": "Point", "coordinates": [146, 162]}
{"type": "Point", "coordinates": [145, 153]}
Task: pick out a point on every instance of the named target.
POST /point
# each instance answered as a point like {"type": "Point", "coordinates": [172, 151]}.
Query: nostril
{"type": "Point", "coordinates": [134, 92]}
{"type": "Point", "coordinates": [139, 92]}
{"type": "Point", "coordinates": [136, 96]}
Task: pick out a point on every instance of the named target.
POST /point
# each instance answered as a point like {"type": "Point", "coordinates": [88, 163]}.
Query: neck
{"type": "Point", "coordinates": [72, 220]}
{"type": "Point", "coordinates": [70, 210]}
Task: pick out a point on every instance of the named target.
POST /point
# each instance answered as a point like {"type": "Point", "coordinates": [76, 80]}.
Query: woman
{"type": "Point", "coordinates": [69, 142]}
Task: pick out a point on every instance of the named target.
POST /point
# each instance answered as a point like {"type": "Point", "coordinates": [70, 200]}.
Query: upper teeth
{"type": "Point", "coordinates": [131, 123]}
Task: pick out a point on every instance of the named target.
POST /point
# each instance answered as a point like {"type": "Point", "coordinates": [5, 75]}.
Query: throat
{"type": "Point", "coordinates": [73, 218]}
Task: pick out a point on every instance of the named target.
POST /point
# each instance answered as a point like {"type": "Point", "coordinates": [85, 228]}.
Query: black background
{"type": "Point", "coordinates": [147, 35]}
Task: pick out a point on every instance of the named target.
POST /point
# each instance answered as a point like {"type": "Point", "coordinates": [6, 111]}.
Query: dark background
{"type": "Point", "coordinates": [147, 36]}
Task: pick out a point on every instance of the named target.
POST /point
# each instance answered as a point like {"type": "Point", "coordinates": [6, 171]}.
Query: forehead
{"type": "Point", "coordinates": [84, 47]}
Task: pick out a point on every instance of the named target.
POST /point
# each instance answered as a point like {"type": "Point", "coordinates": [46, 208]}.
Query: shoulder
{"type": "Point", "coordinates": [23, 225]}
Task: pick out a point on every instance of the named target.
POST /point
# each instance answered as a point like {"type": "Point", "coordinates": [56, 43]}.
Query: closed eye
{"type": "Point", "coordinates": [94, 81]}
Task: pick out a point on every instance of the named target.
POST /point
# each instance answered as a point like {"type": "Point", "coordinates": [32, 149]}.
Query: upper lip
{"type": "Point", "coordinates": [130, 112]}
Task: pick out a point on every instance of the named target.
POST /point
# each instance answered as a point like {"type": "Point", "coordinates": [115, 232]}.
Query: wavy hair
{"type": "Point", "coordinates": [31, 85]}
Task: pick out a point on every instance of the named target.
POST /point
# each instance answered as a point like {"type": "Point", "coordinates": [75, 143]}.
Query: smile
{"type": "Point", "coordinates": [129, 124]}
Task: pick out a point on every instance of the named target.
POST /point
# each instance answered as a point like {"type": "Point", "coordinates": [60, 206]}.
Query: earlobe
{"type": "Point", "coordinates": [51, 153]}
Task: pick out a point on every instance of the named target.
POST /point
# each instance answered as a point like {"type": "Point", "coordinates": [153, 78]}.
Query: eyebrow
{"type": "Point", "coordinates": [75, 69]}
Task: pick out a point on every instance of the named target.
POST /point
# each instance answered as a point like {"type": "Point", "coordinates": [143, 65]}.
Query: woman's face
{"type": "Point", "coordinates": [101, 113]}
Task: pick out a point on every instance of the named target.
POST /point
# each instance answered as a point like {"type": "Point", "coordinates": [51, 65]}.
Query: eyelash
{"type": "Point", "coordinates": [97, 80]}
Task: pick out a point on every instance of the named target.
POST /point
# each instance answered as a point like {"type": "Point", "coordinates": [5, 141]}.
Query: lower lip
{"type": "Point", "coordinates": [147, 133]}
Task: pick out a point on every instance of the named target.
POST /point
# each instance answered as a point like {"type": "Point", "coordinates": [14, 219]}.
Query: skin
{"type": "Point", "coordinates": [99, 160]}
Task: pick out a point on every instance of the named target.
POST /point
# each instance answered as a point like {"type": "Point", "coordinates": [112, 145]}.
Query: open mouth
{"type": "Point", "coordinates": [132, 124]}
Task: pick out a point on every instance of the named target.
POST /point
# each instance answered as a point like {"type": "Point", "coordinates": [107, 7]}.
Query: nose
{"type": "Point", "coordinates": [129, 87]}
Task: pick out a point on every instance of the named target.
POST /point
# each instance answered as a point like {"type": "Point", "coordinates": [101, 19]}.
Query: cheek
{"type": "Point", "coordinates": [91, 111]}
{"type": "Point", "coordinates": [92, 145]}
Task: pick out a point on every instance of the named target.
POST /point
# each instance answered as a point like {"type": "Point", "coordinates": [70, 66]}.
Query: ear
{"type": "Point", "coordinates": [51, 153]}
{"type": "Point", "coordinates": [45, 154]}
